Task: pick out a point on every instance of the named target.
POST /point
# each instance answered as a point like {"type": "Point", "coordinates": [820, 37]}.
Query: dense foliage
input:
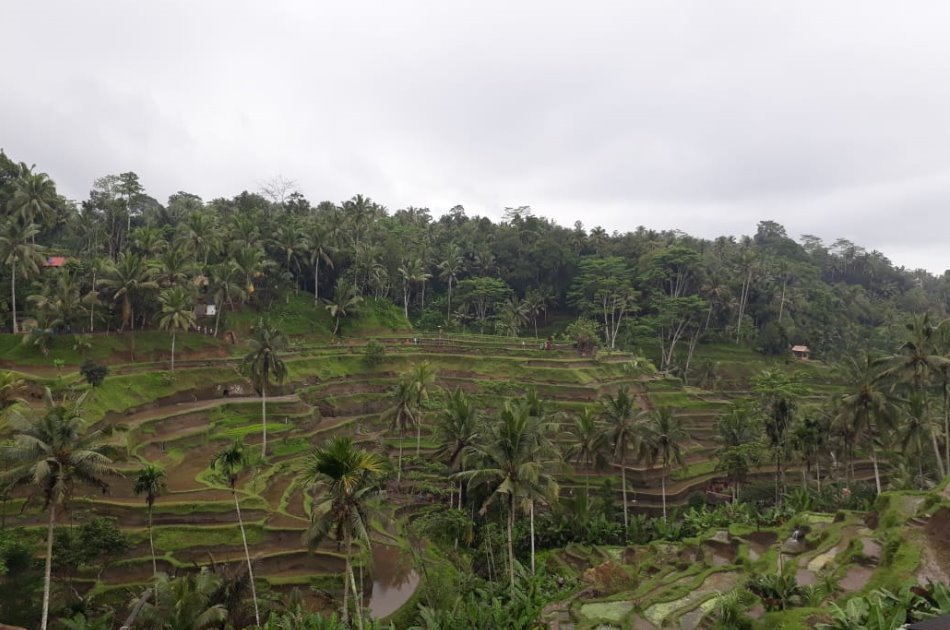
{"type": "Point", "coordinates": [130, 259]}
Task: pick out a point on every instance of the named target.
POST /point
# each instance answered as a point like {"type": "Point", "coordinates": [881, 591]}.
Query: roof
{"type": "Point", "coordinates": [55, 261]}
{"type": "Point", "coordinates": [800, 349]}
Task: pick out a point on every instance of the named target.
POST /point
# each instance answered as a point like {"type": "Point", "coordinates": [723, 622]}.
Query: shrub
{"type": "Point", "coordinates": [373, 353]}
{"type": "Point", "coordinates": [94, 373]}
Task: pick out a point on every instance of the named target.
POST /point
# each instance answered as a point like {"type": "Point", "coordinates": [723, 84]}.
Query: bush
{"type": "Point", "coordinates": [373, 353]}
{"type": "Point", "coordinates": [94, 373]}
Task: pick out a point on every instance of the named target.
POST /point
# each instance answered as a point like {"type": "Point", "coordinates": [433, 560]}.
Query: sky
{"type": "Point", "coordinates": [831, 118]}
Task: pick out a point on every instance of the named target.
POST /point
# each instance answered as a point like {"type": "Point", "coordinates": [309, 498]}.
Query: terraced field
{"type": "Point", "coordinates": [181, 420]}
{"type": "Point", "coordinates": [664, 585]}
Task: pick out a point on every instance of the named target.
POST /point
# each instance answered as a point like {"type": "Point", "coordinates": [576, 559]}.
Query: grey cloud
{"type": "Point", "coordinates": [832, 118]}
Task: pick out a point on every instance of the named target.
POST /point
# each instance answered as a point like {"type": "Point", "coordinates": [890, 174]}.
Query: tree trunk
{"type": "Point", "coordinates": [13, 301]}
{"type": "Point", "coordinates": [877, 475]}
{"type": "Point", "coordinates": [264, 417]}
{"type": "Point", "coordinates": [940, 465]}
{"type": "Point", "coordinates": [316, 282]}
{"type": "Point", "coordinates": [173, 349]}
{"type": "Point", "coordinates": [448, 309]}
{"type": "Point", "coordinates": [946, 425]}
{"type": "Point", "coordinates": [92, 306]}
{"type": "Point", "coordinates": [402, 437]}
{"type": "Point", "coordinates": [623, 487]}
{"type": "Point", "coordinates": [781, 307]}
{"type": "Point", "coordinates": [663, 490]}
{"type": "Point", "coordinates": [418, 433]}
{"type": "Point", "coordinates": [818, 474]}
{"type": "Point", "coordinates": [405, 299]}
{"type": "Point", "coordinates": [217, 318]}
{"type": "Point", "coordinates": [151, 543]}
{"type": "Point", "coordinates": [346, 583]}
{"type": "Point", "coordinates": [531, 519]}
{"type": "Point", "coordinates": [47, 574]}
{"type": "Point", "coordinates": [511, 548]}
{"type": "Point", "coordinates": [247, 556]}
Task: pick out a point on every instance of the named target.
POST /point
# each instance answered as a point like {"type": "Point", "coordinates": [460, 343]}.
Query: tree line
{"type": "Point", "coordinates": [133, 262]}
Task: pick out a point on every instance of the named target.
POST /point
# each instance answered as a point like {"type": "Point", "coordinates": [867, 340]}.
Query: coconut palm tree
{"type": "Point", "coordinates": [33, 198]}
{"type": "Point", "coordinates": [178, 313]}
{"type": "Point", "coordinates": [511, 460]}
{"type": "Point", "coordinates": [223, 288]}
{"type": "Point", "coordinates": [53, 452]}
{"type": "Point", "coordinates": [449, 270]}
{"type": "Point", "coordinates": [624, 429]}
{"type": "Point", "coordinates": [343, 304]}
{"type": "Point", "coordinates": [227, 466]}
{"type": "Point", "coordinates": [185, 603]}
{"type": "Point", "coordinates": [663, 438]}
{"type": "Point", "coordinates": [318, 244]}
{"type": "Point", "coordinates": [457, 429]}
{"type": "Point", "coordinates": [20, 253]}
{"type": "Point", "coordinates": [128, 277]}
{"type": "Point", "coordinates": [915, 366]}
{"type": "Point", "coordinates": [421, 378]}
{"type": "Point", "coordinates": [59, 301]}
{"type": "Point", "coordinates": [262, 364]}
{"type": "Point", "coordinates": [345, 480]}
{"type": "Point", "coordinates": [201, 234]}
{"type": "Point", "coordinates": [150, 481]}
{"type": "Point", "coordinates": [249, 262]}
{"type": "Point", "coordinates": [402, 414]}
{"type": "Point", "coordinates": [868, 408]}
{"type": "Point", "coordinates": [587, 442]}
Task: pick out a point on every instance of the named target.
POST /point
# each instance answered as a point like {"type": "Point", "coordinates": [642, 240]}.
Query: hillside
{"type": "Point", "coordinates": [180, 420]}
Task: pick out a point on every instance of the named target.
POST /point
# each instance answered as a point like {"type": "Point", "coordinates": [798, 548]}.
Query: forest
{"type": "Point", "coordinates": [271, 412]}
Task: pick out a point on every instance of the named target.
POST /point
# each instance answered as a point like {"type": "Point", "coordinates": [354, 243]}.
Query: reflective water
{"type": "Point", "coordinates": [394, 580]}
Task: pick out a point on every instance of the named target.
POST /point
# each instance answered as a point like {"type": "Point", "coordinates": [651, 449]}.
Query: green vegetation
{"type": "Point", "coordinates": [634, 445]}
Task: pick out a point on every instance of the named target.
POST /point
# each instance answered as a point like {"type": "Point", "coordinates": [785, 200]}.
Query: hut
{"type": "Point", "coordinates": [802, 353]}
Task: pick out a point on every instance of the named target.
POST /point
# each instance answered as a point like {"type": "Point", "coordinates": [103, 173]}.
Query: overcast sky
{"type": "Point", "coordinates": [832, 118]}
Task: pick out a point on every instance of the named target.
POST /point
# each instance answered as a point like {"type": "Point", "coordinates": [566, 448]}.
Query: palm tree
{"type": "Point", "coordinates": [587, 441]}
{"type": "Point", "coordinates": [227, 465]}
{"type": "Point", "coordinates": [663, 441]}
{"type": "Point", "coordinates": [510, 457]}
{"type": "Point", "coordinates": [33, 198]}
{"type": "Point", "coordinates": [623, 431]}
{"type": "Point", "coordinates": [317, 244]}
{"type": "Point", "coordinates": [457, 430]}
{"type": "Point", "coordinates": [512, 316]}
{"type": "Point", "coordinates": [60, 301]}
{"type": "Point", "coordinates": [200, 233]}
{"type": "Point", "coordinates": [867, 409]}
{"type": "Point", "coordinates": [344, 303]}
{"type": "Point", "coordinates": [915, 366]}
{"type": "Point", "coordinates": [263, 364]}
{"type": "Point", "coordinates": [289, 243]}
{"type": "Point", "coordinates": [739, 447]}
{"type": "Point", "coordinates": [402, 414]}
{"type": "Point", "coordinates": [411, 271]}
{"type": "Point", "coordinates": [53, 452]}
{"type": "Point", "coordinates": [449, 269]}
{"type": "Point", "coordinates": [150, 481]}
{"type": "Point", "coordinates": [18, 251]}
{"type": "Point", "coordinates": [348, 479]}
{"type": "Point", "coordinates": [421, 377]}
{"type": "Point", "coordinates": [222, 288]}
{"type": "Point", "coordinates": [185, 603]}
{"type": "Point", "coordinates": [127, 277]}
{"type": "Point", "coordinates": [249, 261]}
{"type": "Point", "coordinates": [178, 313]}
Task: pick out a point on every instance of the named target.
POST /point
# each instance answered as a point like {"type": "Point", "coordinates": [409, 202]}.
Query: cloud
{"type": "Point", "coordinates": [831, 118]}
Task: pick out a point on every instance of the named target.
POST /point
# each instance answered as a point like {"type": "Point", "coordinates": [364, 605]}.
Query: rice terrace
{"type": "Point", "coordinates": [474, 316]}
